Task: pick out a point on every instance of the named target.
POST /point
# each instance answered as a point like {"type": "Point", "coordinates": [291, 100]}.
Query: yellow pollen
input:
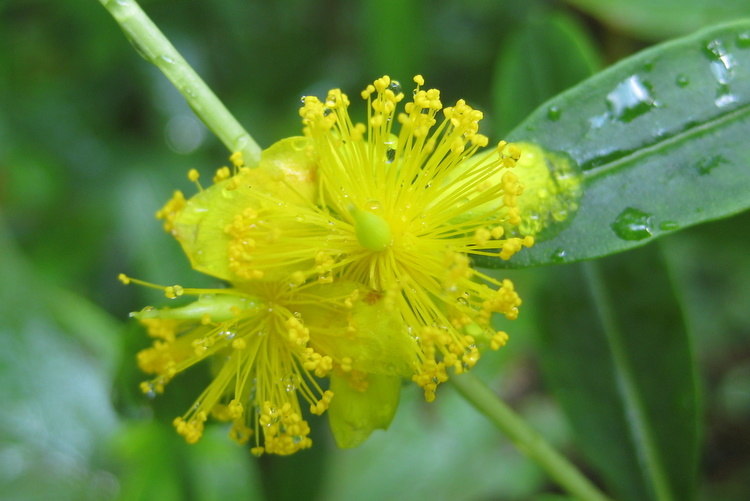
{"type": "Point", "coordinates": [236, 159]}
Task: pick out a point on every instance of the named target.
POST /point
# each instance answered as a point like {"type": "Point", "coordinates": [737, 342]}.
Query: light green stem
{"type": "Point", "coordinates": [525, 438]}
{"type": "Point", "coordinates": [151, 43]}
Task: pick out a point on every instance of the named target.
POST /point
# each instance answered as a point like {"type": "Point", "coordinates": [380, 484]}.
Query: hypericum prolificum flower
{"type": "Point", "coordinates": [348, 252]}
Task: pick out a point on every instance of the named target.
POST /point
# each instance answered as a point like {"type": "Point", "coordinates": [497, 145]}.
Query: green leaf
{"type": "Point", "coordinates": [625, 375]}
{"type": "Point", "coordinates": [659, 19]}
{"type": "Point", "coordinates": [54, 392]}
{"type": "Point", "coordinates": [541, 58]}
{"type": "Point", "coordinates": [660, 139]}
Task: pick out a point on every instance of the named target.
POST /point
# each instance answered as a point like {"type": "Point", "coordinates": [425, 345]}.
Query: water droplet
{"type": "Point", "coordinates": [669, 226]}
{"type": "Point", "coordinates": [633, 224]}
{"type": "Point", "coordinates": [722, 66]}
{"type": "Point", "coordinates": [462, 301]}
{"type": "Point", "coordinates": [631, 98]}
{"type": "Point", "coordinates": [327, 111]}
{"type": "Point", "coordinates": [706, 165]}
{"type": "Point", "coordinates": [373, 206]}
{"type": "Point", "coordinates": [560, 214]}
{"type": "Point", "coordinates": [551, 195]}
{"type": "Point", "coordinates": [289, 383]}
{"type": "Point", "coordinates": [554, 113]}
{"type": "Point", "coordinates": [166, 59]}
{"type": "Point", "coordinates": [559, 255]}
{"type": "Point", "coordinates": [395, 87]}
{"type": "Point", "coordinates": [141, 52]}
{"type": "Point", "coordinates": [302, 99]}
{"type": "Point", "coordinates": [598, 121]}
{"type": "Point", "coordinates": [150, 391]}
{"type": "Point", "coordinates": [682, 80]}
{"type": "Point", "coordinates": [743, 40]}
{"type": "Point", "coordinates": [722, 63]}
{"type": "Point", "coordinates": [390, 155]}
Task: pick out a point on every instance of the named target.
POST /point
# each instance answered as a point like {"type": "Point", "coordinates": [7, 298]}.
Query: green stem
{"type": "Point", "coordinates": [525, 438]}
{"type": "Point", "coordinates": [151, 43]}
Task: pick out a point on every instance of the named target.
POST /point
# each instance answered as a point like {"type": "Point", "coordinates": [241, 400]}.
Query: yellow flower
{"type": "Point", "coordinates": [399, 214]}
{"type": "Point", "coordinates": [348, 254]}
{"type": "Point", "coordinates": [268, 343]}
{"type": "Point", "coordinates": [406, 210]}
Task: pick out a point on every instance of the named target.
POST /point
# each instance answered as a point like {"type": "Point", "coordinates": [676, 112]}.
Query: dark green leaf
{"type": "Point", "coordinates": [541, 58]}
{"type": "Point", "coordinates": [661, 142]}
{"type": "Point", "coordinates": [55, 394]}
{"type": "Point", "coordinates": [617, 355]}
{"type": "Point", "coordinates": [659, 19]}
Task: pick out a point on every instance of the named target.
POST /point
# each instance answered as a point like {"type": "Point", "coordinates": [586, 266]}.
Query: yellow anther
{"type": "Point", "coordinates": [221, 174]}
{"type": "Point", "coordinates": [236, 159]}
{"type": "Point", "coordinates": [482, 236]}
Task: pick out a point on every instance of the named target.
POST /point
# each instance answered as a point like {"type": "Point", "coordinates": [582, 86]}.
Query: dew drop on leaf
{"type": "Point", "coordinates": [633, 224]}
{"type": "Point", "coordinates": [630, 99]}
{"type": "Point", "coordinates": [669, 226]}
{"type": "Point", "coordinates": [558, 256]}
{"type": "Point", "coordinates": [554, 113]}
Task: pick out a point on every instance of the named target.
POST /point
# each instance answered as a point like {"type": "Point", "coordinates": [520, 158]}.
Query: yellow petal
{"type": "Point", "coordinates": [285, 173]}
{"type": "Point", "coordinates": [289, 171]}
{"type": "Point", "coordinates": [372, 335]}
{"type": "Point", "coordinates": [355, 414]}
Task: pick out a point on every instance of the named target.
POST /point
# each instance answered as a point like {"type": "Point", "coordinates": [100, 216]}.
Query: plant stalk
{"type": "Point", "coordinates": [151, 43]}
{"type": "Point", "coordinates": [525, 438]}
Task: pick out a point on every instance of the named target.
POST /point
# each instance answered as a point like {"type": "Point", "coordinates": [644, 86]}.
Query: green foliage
{"type": "Point", "coordinates": [659, 139]}
{"type": "Point", "coordinates": [540, 58]}
{"type": "Point", "coordinates": [657, 20]}
{"type": "Point", "coordinates": [93, 140]}
{"type": "Point", "coordinates": [624, 373]}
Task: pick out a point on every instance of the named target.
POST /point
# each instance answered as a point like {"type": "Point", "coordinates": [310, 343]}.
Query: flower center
{"type": "Point", "coordinates": [372, 231]}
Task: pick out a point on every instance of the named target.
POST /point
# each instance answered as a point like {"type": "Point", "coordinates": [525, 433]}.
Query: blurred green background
{"type": "Point", "coordinates": [93, 140]}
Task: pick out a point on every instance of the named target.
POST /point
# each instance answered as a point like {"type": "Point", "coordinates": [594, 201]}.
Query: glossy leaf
{"type": "Point", "coordinates": [540, 58]}
{"type": "Point", "coordinates": [54, 391]}
{"type": "Point", "coordinates": [616, 353]}
{"type": "Point", "coordinates": [659, 19]}
{"type": "Point", "coordinates": [660, 139]}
